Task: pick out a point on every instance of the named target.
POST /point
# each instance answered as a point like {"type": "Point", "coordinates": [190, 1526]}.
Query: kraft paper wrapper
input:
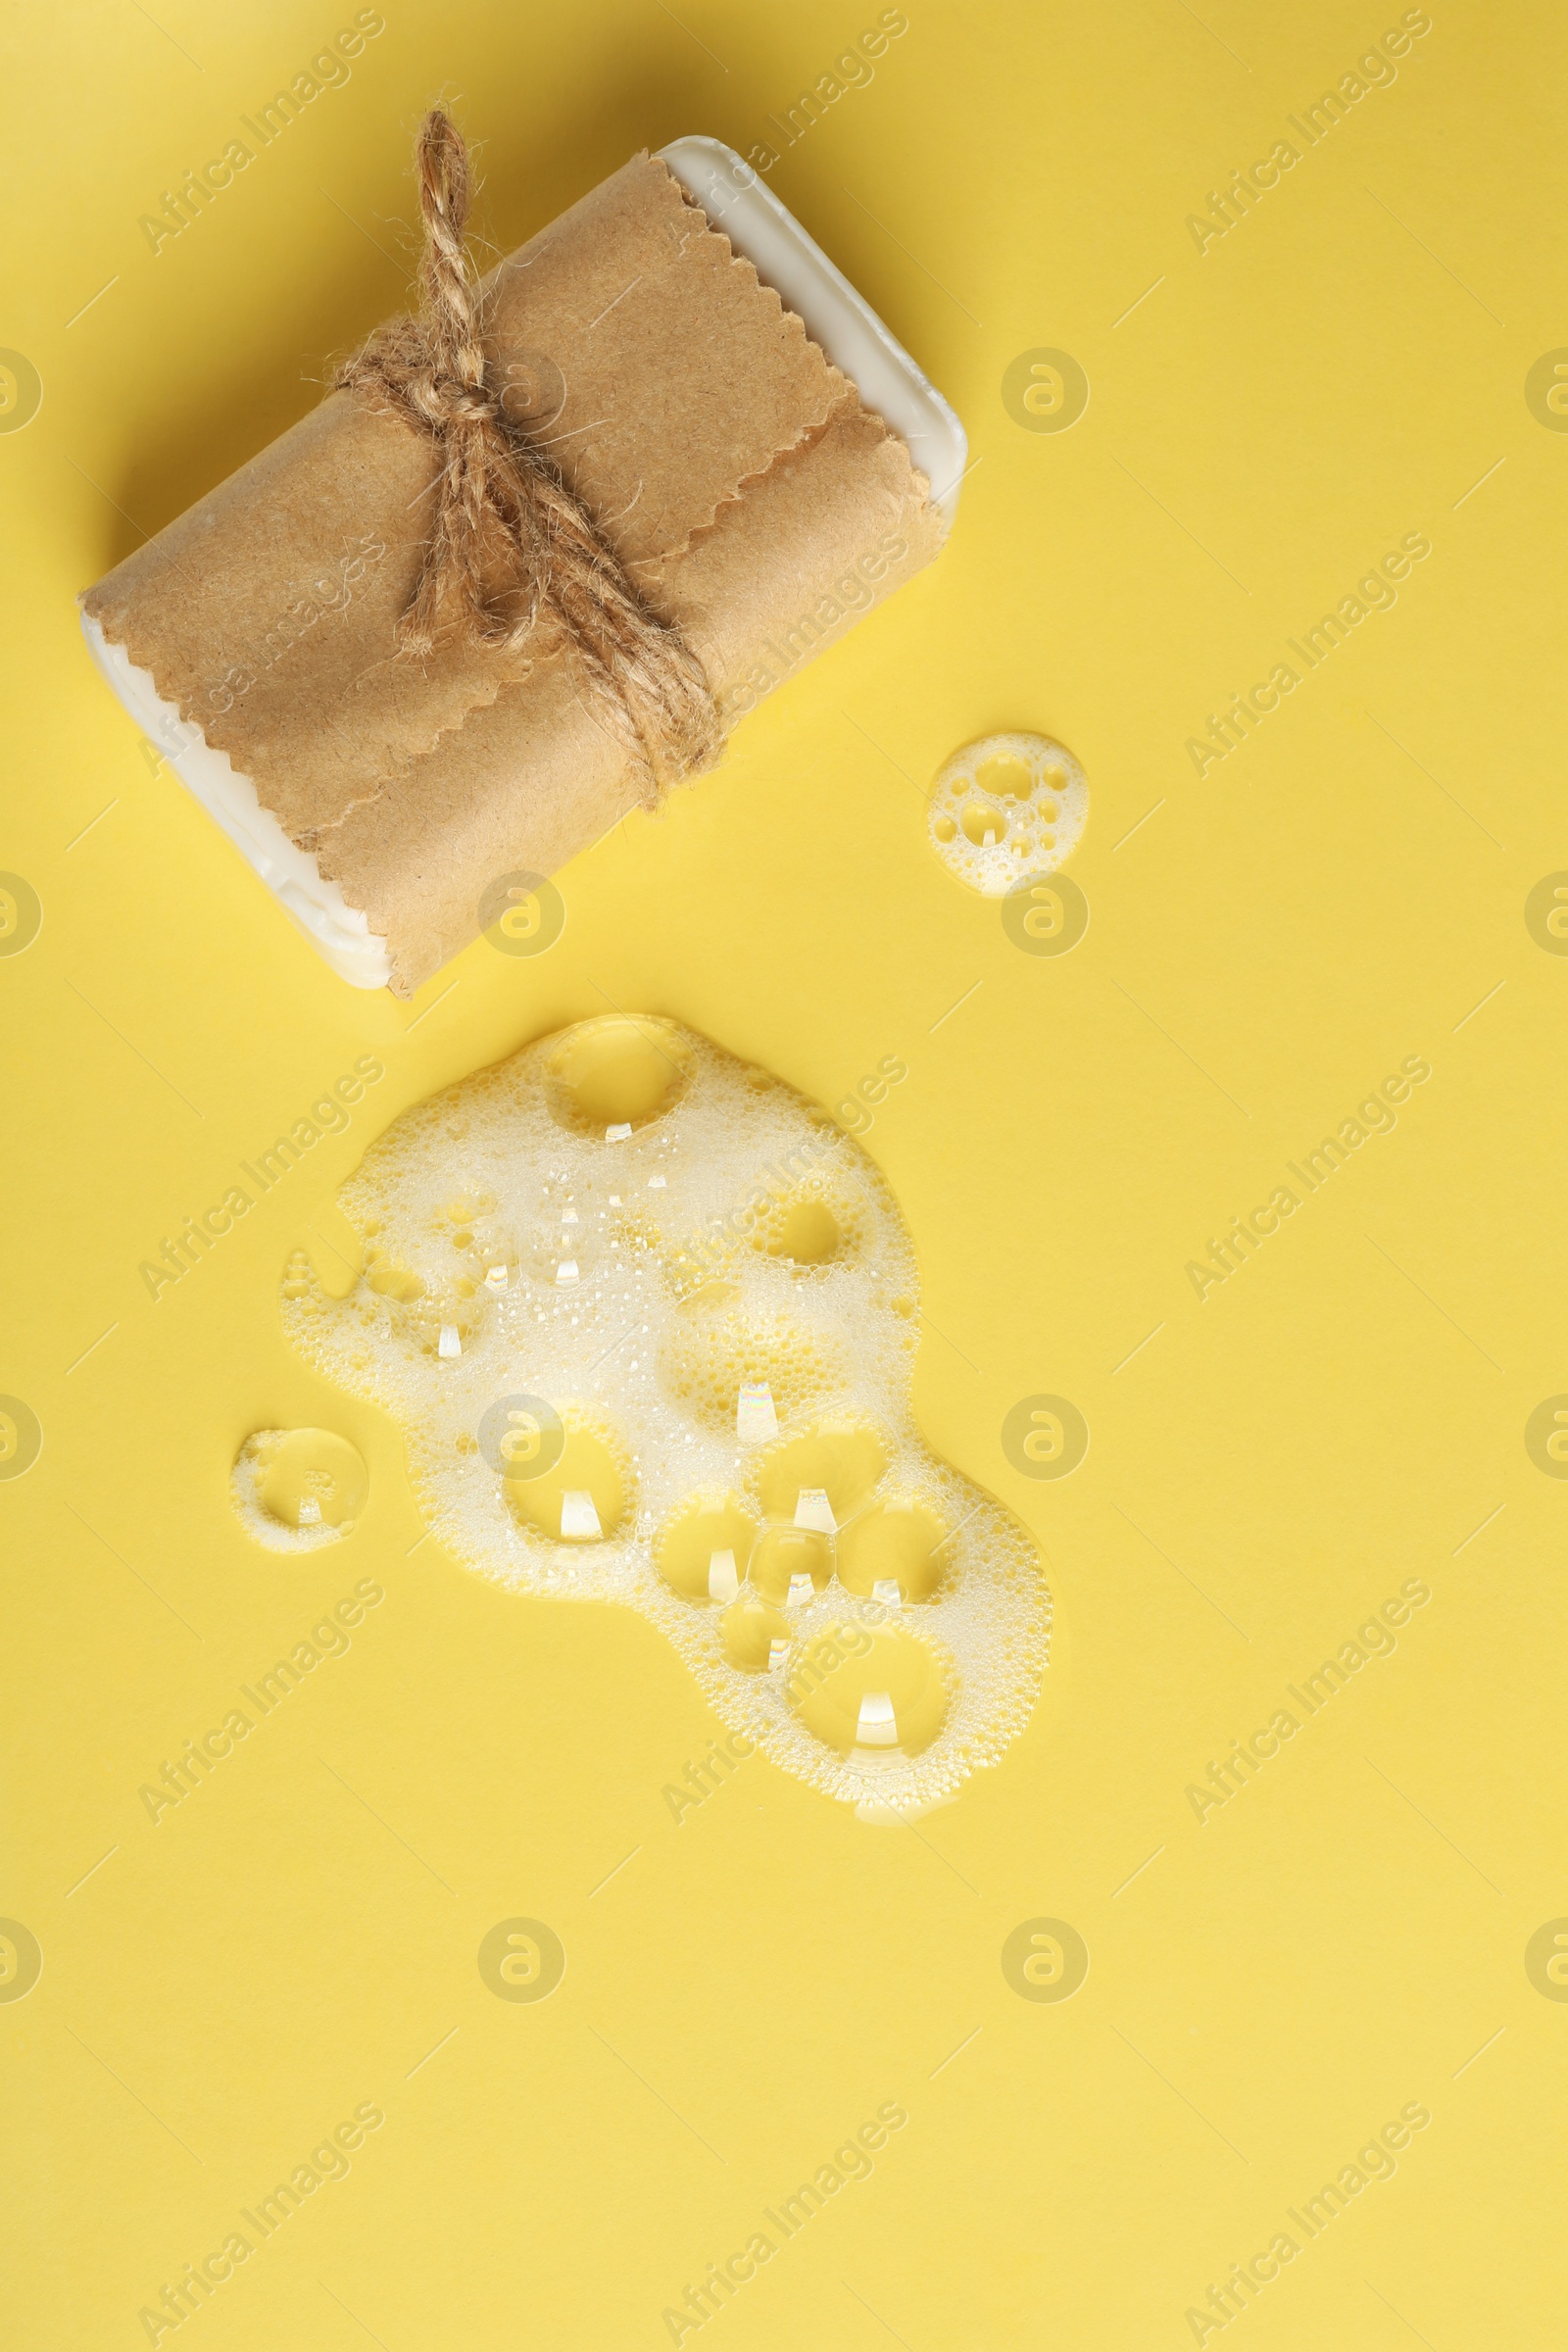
{"type": "Point", "coordinates": [733, 470]}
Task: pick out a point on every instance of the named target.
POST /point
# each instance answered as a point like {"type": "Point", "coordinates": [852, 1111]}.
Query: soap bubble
{"type": "Point", "coordinates": [298, 1489]}
{"type": "Point", "coordinates": [1007, 805]}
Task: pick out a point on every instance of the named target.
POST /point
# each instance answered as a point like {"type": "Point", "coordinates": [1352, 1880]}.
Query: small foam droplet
{"type": "Point", "coordinates": [297, 1489]}
{"type": "Point", "coordinates": [1006, 802]}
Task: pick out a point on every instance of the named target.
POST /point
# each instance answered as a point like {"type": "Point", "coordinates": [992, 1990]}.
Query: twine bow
{"type": "Point", "coordinates": [510, 543]}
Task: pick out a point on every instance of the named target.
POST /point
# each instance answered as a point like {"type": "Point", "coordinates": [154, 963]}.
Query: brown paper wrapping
{"type": "Point", "coordinates": [748, 494]}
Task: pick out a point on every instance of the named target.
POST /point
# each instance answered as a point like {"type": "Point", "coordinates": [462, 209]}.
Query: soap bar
{"type": "Point", "coordinates": [763, 457]}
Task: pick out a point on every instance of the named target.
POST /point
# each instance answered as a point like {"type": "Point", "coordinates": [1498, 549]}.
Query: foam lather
{"type": "Point", "coordinates": [761, 459]}
{"type": "Point", "coordinates": [647, 1320]}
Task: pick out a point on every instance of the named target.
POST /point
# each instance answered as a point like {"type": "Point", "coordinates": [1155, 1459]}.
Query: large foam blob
{"type": "Point", "coordinates": [647, 1320]}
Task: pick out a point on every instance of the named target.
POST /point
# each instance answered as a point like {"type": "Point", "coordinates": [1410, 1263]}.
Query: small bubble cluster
{"type": "Point", "coordinates": [647, 1320]}
{"type": "Point", "coordinates": [1006, 807]}
{"type": "Point", "coordinates": [298, 1489]}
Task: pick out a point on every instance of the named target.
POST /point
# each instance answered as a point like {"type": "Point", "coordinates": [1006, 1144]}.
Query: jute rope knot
{"type": "Point", "coordinates": [510, 543]}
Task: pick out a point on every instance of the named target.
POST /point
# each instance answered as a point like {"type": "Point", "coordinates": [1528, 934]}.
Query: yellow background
{"type": "Point", "coordinates": [1340, 1940]}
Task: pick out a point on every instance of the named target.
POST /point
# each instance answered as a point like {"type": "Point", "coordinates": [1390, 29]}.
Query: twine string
{"type": "Point", "coordinates": [510, 544]}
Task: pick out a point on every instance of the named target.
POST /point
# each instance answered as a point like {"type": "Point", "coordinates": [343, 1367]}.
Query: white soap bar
{"type": "Point", "coordinates": [341, 932]}
{"type": "Point", "coordinates": [840, 320]}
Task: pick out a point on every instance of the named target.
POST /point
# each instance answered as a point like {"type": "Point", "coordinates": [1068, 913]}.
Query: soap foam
{"type": "Point", "coordinates": [1006, 807]}
{"type": "Point", "coordinates": [636, 1240]}
{"type": "Point", "coordinates": [296, 1490]}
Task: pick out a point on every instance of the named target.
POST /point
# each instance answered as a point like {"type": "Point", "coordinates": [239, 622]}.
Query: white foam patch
{"type": "Point", "coordinates": [691, 1348]}
{"type": "Point", "coordinates": [1006, 807]}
